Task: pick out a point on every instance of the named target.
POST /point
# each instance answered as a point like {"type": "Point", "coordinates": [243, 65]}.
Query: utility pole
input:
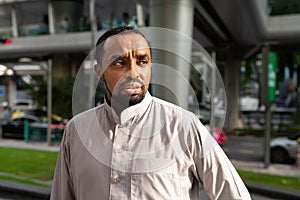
{"type": "Point", "coordinates": [265, 102]}
{"type": "Point", "coordinates": [49, 101]}
{"type": "Point", "coordinates": [213, 95]}
{"type": "Point", "coordinates": [92, 54]}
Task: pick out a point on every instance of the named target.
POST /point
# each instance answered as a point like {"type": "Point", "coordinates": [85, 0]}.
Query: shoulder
{"type": "Point", "coordinates": [85, 118]}
{"type": "Point", "coordinates": [170, 107]}
{"type": "Point", "coordinates": [174, 111]}
{"type": "Point", "coordinates": [81, 125]}
{"type": "Point", "coordinates": [87, 114]}
{"type": "Point", "coordinates": [184, 123]}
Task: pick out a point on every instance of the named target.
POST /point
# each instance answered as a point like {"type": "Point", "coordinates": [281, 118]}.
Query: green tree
{"type": "Point", "coordinates": [61, 95]}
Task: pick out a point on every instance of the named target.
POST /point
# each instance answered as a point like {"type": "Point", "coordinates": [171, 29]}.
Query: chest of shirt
{"type": "Point", "coordinates": [132, 168]}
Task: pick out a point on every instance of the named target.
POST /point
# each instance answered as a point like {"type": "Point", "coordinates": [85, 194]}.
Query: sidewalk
{"type": "Point", "coordinates": [275, 169]}
{"type": "Point", "coordinates": [38, 145]}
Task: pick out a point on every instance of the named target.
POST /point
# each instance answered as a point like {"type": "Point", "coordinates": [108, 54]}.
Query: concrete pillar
{"type": "Point", "coordinates": [12, 90]}
{"type": "Point", "coordinates": [67, 65]}
{"type": "Point", "coordinates": [232, 82]}
{"type": "Point", "coordinates": [14, 21]}
{"type": "Point", "coordinates": [51, 18]}
{"type": "Point", "coordinates": [176, 15]}
{"type": "Point", "coordinates": [75, 62]}
{"type": "Point", "coordinates": [140, 15]}
{"type": "Point", "coordinates": [61, 66]}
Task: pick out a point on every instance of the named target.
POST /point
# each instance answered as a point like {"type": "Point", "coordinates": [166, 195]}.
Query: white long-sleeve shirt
{"type": "Point", "coordinates": [154, 150]}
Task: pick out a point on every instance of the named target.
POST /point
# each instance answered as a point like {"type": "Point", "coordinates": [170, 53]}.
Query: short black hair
{"type": "Point", "coordinates": [112, 32]}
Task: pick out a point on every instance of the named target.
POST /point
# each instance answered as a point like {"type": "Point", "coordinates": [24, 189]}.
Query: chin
{"type": "Point", "coordinates": [135, 99]}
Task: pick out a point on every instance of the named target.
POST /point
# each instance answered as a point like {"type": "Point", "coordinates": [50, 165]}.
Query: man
{"type": "Point", "coordinates": [135, 146]}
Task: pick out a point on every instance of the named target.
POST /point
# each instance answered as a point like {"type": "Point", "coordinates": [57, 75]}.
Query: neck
{"type": "Point", "coordinates": [116, 105]}
{"type": "Point", "coordinates": [119, 104]}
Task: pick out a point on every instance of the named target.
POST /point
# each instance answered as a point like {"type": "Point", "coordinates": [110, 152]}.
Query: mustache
{"type": "Point", "coordinates": [130, 81]}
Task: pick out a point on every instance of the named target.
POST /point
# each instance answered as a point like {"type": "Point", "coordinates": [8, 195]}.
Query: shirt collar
{"type": "Point", "coordinates": [131, 111]}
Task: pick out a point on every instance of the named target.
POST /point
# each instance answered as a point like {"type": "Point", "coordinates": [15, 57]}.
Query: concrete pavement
{"type": "Point", "coordinates": [269, 191]}
{"type": "Point", "coordinates": [38, 145]}
{"type": "Point", "coordinates": [273, 169]}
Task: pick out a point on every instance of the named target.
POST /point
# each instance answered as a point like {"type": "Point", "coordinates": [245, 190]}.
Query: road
{"type": "Point", "coordinates": [244, 148]}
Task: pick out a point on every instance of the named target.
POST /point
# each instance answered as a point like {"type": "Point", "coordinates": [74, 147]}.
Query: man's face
{"type": "Point", "coordinates": [127, 64]}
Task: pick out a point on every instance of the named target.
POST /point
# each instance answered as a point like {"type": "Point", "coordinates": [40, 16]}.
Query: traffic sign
{"type": "Point", "coordinates": [2, 90]}
{"type": "Point", "coordinates": [272, 76]}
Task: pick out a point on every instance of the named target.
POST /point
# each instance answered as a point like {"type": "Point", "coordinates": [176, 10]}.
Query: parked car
{"type": "Point", "coordinates": [283, 149]}
{"type": "Point", "coordinates": [55, 119]}
{"type": "Point", "coordinates": [14, 127]}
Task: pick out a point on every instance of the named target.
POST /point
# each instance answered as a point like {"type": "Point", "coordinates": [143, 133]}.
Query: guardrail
{"type": "Point", "coordinates": [38, 132]}
{"type": "Point", "coordinates": [280, 118]}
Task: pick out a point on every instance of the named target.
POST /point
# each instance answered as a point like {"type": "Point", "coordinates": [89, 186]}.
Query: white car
{"type": "Point", "coordinates": [284, 149]}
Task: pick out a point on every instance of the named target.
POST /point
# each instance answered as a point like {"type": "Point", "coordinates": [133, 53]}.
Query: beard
{"type": "Point", "coordinates": [127, 100]}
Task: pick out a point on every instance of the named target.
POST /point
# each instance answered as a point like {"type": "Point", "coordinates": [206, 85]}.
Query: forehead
{"type": "Point", "coordinates": [123, 43]}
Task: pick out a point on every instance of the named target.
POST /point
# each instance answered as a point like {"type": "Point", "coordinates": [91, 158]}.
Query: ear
{"type": "Point", "coordinates": [98, 71]}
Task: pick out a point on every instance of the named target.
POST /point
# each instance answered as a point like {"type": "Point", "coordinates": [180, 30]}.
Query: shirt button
{"type": "Point", "coordinates": [119, 150]}
{"type": "Point", "coordinates": [116, 180]}
{"type": "Point", "coordinates": [125, 148]}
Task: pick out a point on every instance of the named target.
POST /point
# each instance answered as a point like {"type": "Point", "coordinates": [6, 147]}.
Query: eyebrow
{"type": "Point", "coordinates": [117, 57]}
{"type": "Point", "coordinates": [143, 56]}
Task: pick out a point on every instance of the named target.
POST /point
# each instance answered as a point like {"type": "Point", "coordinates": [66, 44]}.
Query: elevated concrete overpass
{"type": "Point", "coordinates": [234, 29]}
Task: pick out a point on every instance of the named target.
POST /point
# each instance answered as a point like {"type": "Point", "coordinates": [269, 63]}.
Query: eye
{"type": "Point", "coordinates": [118, 63]}
{"type": "Point", "coordinates": [142, 62]}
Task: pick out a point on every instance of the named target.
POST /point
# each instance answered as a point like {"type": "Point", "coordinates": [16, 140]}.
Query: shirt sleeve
{"type": "Point", "coordinates": [217, 174]}
{"type": "Point", "coordinates": [62, 186]}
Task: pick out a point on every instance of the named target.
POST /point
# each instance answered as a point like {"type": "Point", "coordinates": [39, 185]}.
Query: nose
{"type": "Point", "coordinates": [133, 69]}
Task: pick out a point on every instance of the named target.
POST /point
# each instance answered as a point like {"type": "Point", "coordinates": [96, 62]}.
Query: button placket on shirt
{"type": "Point", "coordinates": [121, 136]}
{"type": "Point", "coordinates": [116, 179]}
{"type": "Point", "coordinates": [122, 149]}
{"type": "Point", "coordinates": [119, 179]}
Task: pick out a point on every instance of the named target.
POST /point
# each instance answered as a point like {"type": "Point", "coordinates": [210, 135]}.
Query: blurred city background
{"type": "Point", "coordinates": [254, 43]}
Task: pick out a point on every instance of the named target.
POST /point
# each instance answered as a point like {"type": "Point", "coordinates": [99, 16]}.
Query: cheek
{"type": "Point", "coordinates": [116, 78]}
{"type": "Point", "coordinates": [111, 79]}
{"type": "Point", "coordinates": [147, 75]}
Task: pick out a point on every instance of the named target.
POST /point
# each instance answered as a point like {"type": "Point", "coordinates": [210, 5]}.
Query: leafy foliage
{"type": "Point", "coordinates": [61, 95]}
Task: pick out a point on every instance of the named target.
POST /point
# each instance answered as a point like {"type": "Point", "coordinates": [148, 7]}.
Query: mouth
{"type": "Point", "coordinates": [133, 89]}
